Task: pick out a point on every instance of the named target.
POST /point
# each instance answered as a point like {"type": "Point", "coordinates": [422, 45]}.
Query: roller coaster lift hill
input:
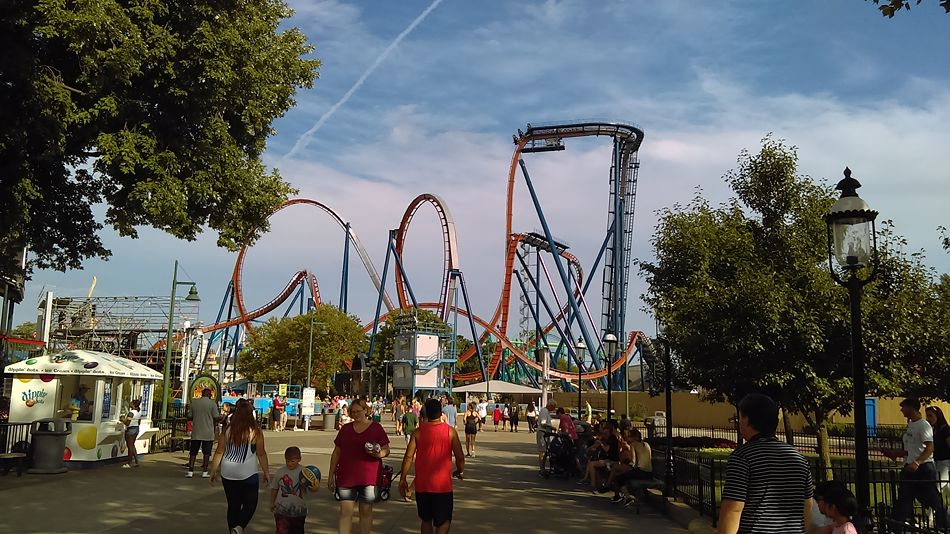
{"type": "Point", "coordinates": [567, 315]}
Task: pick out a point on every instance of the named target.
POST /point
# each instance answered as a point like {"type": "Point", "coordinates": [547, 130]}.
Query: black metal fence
{"type": "Point", "coordinates": [15, 437]}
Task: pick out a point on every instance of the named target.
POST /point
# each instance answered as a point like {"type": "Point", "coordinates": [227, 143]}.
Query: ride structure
{"type": "Point", "coordinates": [552, 290]}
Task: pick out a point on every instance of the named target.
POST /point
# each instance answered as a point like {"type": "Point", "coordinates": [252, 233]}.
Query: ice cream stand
{"type": "Point", "coordinates": [91, 389]}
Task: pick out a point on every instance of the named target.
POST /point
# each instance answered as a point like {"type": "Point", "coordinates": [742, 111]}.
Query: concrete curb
{"type": "Point", "coordinates": [681, 513]}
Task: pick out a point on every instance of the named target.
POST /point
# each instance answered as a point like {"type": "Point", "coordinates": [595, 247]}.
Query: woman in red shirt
{"type": "Point", "coordinates": [354, 467]}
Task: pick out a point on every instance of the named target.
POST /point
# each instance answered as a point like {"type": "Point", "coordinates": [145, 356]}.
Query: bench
{"type": "Point", "coordinates": [12, 458]}
{"type": "Point", "coordinates": [637, 488]}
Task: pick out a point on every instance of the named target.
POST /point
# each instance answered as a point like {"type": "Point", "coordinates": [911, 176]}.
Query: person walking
{"type": "Point", "coordinates": [482, 413]}
{"type": "Point", "coordinates": [358, 450]}
{"type": "Point", "coordinates": [399, 409]}
{"type": "Point", "coordinates": [545, 424]}
{"type": "Point", "coordinates": [288, 488]}
{"type": "Point", "coordinates": [768, 485]}
{"type": "Point", "coordinates": [531, 414]}
{"type": "Point", "coordinates": [451, 413]}
{"type": "Point", "coordinates": [276, 412]}
{"type": "Point", "coordinates": [432, 446]}
{"type": "Point", "coordinates": [409, 424]}
{"type": "Point", "coordinates": [471, 429]}
{"type": "Point", "coordinates": [204, 418]}
{"type": "Point", "coordinates": [132, 420]}
{"type": "Point", "coordinates": [515, 416]}
{"type": "Point", "coordinates": [941, 445]}
{"type": "Point", "coordinates": [239, 452]}
{"type": "Point", "coordinates": [918, 478]}
{"type": "Point", "coordinates": [496, 416]}
{"type": "Point", "coordinates": [505, 416]}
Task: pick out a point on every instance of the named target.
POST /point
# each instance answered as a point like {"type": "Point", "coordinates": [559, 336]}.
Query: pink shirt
{"type": "Point", "coordinates": [357, 467]}
{"type": "Point", "coordinates": [567, 425]}
{"type": "Point", "coordinates": [846, 528]}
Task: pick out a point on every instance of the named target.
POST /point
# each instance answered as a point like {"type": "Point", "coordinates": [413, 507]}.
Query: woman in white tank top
{"type": "Point", "coordinates": [240, 449]}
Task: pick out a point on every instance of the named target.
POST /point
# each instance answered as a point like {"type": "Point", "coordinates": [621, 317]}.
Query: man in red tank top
{"type": "Point", "coordinates": [432, 445]}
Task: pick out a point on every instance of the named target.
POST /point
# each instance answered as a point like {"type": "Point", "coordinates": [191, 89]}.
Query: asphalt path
{"type": "Point", "coordinates": [501, 493]}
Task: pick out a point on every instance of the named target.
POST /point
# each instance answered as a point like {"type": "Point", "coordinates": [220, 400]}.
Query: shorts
{"type": "Point", "coordinates": [471, 430]}
{"type": "Point", "coordinates": [290, 525]}
{"type": "Point", "coordinates": [435, 508]}
{"type": "Point", "coordinates": [205, 447]}
{"type": "Point", "coordinates": [132, 431]}
{"type": "Point", "coordinates": [542, 446]}
{"type": "Point", "coordinates": [358, 493]}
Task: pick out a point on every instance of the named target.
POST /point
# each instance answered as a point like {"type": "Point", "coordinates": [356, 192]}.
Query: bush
{"type": "Point", "coordinates": [695, 442]}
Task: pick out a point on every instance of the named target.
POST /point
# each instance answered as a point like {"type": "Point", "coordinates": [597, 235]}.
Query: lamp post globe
{"type": "Point", "coordinates": [610, 352]}
{"type": "Point", "coordinates": [852, 245]}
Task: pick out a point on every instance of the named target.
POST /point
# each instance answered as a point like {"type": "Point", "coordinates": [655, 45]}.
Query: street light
{"type": "Point", "coordinates": [579, 349]}
{"type": "Point", "coordinates": [853, 244]}
{"type": "Point", "coordinates": [610, 349]}
{"type": "Point", "coordinates": [192, 297]}
{"type": "Point", "coordinates": [669, 478]}
{"type": "Point", "coordinates": [544, 354]}
{"type": "Point", "coordinates": [323, 331]}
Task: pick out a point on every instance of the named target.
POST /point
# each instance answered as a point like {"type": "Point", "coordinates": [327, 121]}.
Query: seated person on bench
{"type": "Point", "coordinates": [606, 449]}
{"type": "Point", "coordinates": [640, 467]}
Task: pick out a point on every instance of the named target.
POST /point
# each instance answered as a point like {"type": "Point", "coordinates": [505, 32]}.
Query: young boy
{"type": "Point", "coordinates": [287, 489]}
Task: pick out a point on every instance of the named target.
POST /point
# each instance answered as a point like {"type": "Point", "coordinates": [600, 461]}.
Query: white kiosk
{"type": "Point", "coordinates": [93, 390]}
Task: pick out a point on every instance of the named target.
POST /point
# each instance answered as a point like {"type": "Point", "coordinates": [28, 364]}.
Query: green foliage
{"type": "Point", "coordinates": [24, 331]}
{"type": "Point", "coordinates": [889, 8]}
{"type": "Point", "coordinates": [277, 351]}
{"type": "Point", "coordinates": [747, 303]}
{"type": "Point", "coordinates": [158, 108]}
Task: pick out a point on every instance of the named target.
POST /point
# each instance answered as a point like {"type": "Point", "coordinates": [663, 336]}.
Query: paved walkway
{"type": "Point", "coordinates": [501, 493]}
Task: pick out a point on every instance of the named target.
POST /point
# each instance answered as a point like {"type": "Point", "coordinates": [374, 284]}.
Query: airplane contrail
{"type": "Point", "coordinates": [307, 136]}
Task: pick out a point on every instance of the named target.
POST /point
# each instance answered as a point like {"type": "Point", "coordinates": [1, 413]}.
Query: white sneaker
{"type": "Point", "coordinates": [237, 530]}
{"type": "Point", "coordinates": [205, 475]}
{"type": "Point", "coordinates": [189, 474]}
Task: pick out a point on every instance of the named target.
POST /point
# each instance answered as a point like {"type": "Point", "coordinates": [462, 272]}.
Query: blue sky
{"type": "Point", "coordinates": [704, 80]}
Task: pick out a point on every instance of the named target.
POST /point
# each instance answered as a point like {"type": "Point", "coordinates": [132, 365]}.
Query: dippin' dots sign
{"type": "Point", "coordinates": [32, 397]}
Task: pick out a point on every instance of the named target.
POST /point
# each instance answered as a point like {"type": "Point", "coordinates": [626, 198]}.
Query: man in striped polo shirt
{"type": "Point", "coordinates": [768, 486]}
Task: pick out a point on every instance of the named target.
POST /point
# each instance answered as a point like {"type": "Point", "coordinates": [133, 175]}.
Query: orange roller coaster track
{"type": "Point", "coordinates": [629, 137]}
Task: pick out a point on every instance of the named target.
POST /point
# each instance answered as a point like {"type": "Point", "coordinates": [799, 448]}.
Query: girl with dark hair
{"type": "Point", "coordinates": [941, 445]}
{"type": "Point", "coordinates": [841, 506]}
{"type": "Point", "coordinates": [240, 450]}
{"type": "Point", "coordinates": [132, 420]}
{"type": "Point", "coordinates": [471, 428]}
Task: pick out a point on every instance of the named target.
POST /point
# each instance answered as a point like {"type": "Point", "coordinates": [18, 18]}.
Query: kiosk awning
{"type": "Point", "coordinates": [83, 362]}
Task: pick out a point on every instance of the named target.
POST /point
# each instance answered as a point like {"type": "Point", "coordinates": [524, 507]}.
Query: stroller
{"type": "Point", "coordinates": [384, 483]}
{"type": "Point", "coordinates": [560, 457]}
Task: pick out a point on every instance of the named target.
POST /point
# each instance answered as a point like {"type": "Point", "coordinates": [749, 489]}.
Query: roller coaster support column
{"type": "Point", "coordinates": [405, 277]}
{"type": "Point", "coordinates": [557, 258]}
{"type": "Point", "coordinates": [344, 294]}
{"type": "Point", "coordinates": [471, 323]}
{"type": "Point", "coordinates": [547, 308]}
{"type": "Point", "coordinates": [379, 301]}
{"type": "Point", "coordinates": [615, 331]}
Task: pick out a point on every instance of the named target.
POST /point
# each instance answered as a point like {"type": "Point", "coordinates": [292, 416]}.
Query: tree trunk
{"type": "Point", "coordinates": [824, 450]}
{"type": "Point", "coordinates": [787, 425]}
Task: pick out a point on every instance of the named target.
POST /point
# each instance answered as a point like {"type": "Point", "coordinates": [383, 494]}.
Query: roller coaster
{"type": "Point", "coordinates": [568, 315]}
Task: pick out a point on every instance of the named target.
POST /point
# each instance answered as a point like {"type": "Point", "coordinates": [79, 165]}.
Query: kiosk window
{"type": "Point", "coordinates": [81, 397]}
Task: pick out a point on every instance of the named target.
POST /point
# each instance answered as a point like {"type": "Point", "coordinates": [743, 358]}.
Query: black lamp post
{"type": "Point", "coordinates": [669, 475]}
{"type": "Point", "coordinates": [610, 349]}
{"type": "Point", "coordinates": [579, 349]}
{"type": "Point", "coordinates": [853, 244]}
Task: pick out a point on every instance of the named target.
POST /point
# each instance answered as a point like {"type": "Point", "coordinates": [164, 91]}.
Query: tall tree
{"type": "Point", "coordinates": [747, 303]}
{"type": "Point", "coordinates": [278, 350]}
{"type": "Point", "coordinates": [889, 8]}
{"type": "Point", "coordinates": [159, 109]}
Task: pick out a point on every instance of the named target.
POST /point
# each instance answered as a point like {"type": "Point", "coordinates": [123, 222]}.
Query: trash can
{"type": "Point", "coordinates": [49, 445]}
{"type": "Point", "coordinates": [329, 421]}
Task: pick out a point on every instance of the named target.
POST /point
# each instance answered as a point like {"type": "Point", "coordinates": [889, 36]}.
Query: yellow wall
{"type": "Point", "coordinates": [689, 410]}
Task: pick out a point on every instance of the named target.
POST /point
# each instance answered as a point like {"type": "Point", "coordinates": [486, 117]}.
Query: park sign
{"type": "Point", "coordinates": [205, 382]}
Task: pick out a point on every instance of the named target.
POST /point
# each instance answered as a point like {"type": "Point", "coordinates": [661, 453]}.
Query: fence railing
{"type": "Point", "coordinates": [14, 436]}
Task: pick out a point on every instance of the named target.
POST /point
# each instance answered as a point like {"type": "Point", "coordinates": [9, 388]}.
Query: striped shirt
{"type": "Point", "coordinates": [774, 481]}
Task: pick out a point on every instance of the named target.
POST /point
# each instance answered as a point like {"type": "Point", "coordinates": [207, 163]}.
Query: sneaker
{"type": "Point", "coordinates": [616, 498]}
{"type": "Point", "coordinates": [237, 530]}
{"type": "Point", "coordinates": [126, 466]}
{"type": "Point", "coordinates": [205, 475]}
{"type": "Point", "coordinates": [189, 474]}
